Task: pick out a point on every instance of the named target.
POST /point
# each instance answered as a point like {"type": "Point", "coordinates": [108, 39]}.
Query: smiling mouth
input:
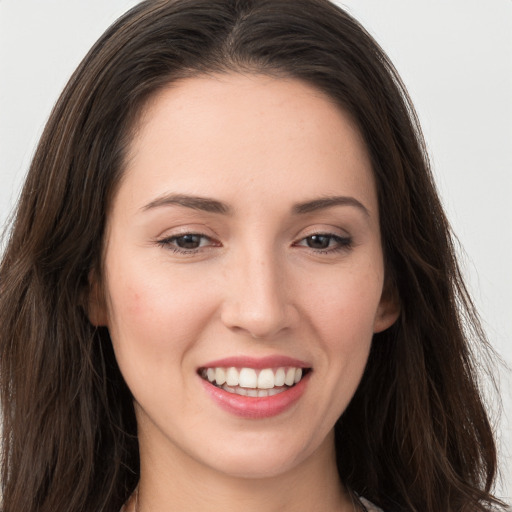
{"type": "Point", "coordinates": [254, 383]}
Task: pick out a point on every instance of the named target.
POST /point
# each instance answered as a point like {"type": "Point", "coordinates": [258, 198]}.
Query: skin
{"type": "Point", "coordinates": [255, 287]}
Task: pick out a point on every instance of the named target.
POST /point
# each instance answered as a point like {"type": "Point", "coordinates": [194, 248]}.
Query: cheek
{"type": "Point", "coordinates": [154, 316]}
{"type": "Point", "coordinates": [342, 312]}
{"type": "Point", "coordinates": [344, 303]}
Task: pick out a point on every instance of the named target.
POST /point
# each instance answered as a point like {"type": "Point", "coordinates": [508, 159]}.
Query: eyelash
{"type": "Point", "coordinates": [169, 241]}
{"type": "Point", "coordinates": [342, 243]}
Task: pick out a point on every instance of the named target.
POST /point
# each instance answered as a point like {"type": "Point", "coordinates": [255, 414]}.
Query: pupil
{"type": "Point", "coordinates": [188, 241]}
{"type": "Point", "coordinates": [319, 241]}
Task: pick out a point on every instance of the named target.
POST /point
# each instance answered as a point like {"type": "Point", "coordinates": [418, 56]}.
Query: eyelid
{"type": "Point", "coordinates": [343, 241]}
{"type": "Point", "coordinates": [192, 228]}
{"type": "Point", "coordinates": [168, 240]}
{"type": "Point", "coordinates": [322, 229]}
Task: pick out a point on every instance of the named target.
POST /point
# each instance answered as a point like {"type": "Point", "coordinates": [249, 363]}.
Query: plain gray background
{"type": "Point", "coordinates": [455, 57]}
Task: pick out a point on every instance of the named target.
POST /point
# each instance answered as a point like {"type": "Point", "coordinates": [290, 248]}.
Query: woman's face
{"type": "Point", "coordinates": [243, 249]}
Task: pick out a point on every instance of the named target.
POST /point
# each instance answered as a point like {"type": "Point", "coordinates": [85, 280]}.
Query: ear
{"type": "Point", "coordinates": [95, 303]}
{"type": "Point", "coordinates": [389, 308]}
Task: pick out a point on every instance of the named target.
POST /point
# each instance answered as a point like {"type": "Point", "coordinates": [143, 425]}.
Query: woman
{"type": "Point", "coordinates": [230, 282]}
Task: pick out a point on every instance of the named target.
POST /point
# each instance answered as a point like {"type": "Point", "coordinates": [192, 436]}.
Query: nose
{"type": "Point", "coordinates": [257, 299]}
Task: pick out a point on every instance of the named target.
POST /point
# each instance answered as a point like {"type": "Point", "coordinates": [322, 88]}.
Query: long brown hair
{"type": "Point", "coordinates": [416, 436]}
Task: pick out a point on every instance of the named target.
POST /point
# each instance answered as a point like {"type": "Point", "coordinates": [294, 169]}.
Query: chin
{"type": "Point", "coordinates": [255, 468]}
{"type": "Point", "coordinates": [260, 459]}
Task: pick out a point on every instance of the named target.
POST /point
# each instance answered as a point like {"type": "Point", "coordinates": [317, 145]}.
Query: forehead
{"type": "Point", "coordinates": [230, 134]}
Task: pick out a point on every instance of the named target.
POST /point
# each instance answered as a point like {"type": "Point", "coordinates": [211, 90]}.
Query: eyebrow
{"type": "Point", "coordinates": [213, 206]}
{"type": "Point", "coordinates": [329, 202]}
{"type": "Point", "coordinates": [204, 204]}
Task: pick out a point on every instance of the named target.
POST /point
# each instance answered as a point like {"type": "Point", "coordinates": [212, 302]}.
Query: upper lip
{"type": "Point", "coordinates": [274, 361]}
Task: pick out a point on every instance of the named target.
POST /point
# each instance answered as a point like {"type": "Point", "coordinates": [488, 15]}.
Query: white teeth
{"type": "Point", "coordinates": [220, 376]}
{"type": "Point", "coordinates": [248, 378]}
{"type": "Point", "coordinates": [254, 393]}
{"type": "Point", "coordinates": [232, 377]}
{"type": "Point", "coordinates": [266, 379]}
{"type": "Point", "coordinates": [279, 377]}
{"type": "Point", "coordinates": [252, 382]}
{"type": "Point", "coordinates": [289, 380]}
{"type": "Point", "coordinates": [211, 373]}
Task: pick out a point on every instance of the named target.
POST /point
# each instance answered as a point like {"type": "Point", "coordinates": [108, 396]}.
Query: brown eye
{"type": "Point", "coordinates": [326, 243]}
{"type": "Point", "coordinates": [188, 241]}
{"type": "Point", "coordinates": [319, 241]}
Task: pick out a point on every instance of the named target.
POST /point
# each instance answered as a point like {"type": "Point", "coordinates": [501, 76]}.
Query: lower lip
{"type": "Point", "coordinates": [256, 407]}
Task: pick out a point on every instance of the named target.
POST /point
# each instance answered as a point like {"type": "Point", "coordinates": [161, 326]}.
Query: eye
{"type": "Point", "coordinates": [187, 243]}
{"type": "Point", "coordinates": [326, 242]}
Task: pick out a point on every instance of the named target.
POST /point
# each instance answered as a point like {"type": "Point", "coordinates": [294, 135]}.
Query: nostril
{"type": "Point", "coordinates": [261, 321]}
